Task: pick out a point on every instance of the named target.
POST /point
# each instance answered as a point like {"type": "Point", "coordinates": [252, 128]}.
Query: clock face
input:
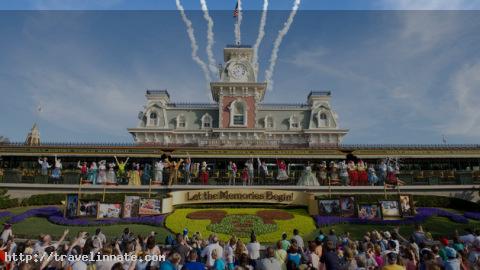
{"type": "Point", "coordinates": [238, 72]}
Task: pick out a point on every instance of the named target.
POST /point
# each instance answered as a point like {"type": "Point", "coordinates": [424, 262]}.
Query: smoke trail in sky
{"type": "Point", "coordinates": [261, 34]}
{"type": "Point", "coordinates": [238, 37]}
{"type": "Point", "coordinates": [278, 41]}
{"type": "Point", "coordinates": [210, 36]}
{"type": "Point", "coordinates": [193, 42]}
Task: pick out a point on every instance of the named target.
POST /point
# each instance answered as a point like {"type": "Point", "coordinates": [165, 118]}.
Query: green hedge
{"type": "Point", "coordinates": [420, 201]}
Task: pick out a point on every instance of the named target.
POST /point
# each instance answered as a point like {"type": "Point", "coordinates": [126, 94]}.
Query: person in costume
{"type": "Point", "coordinates": [204, 173]}
{"type": "Point", "coordinates": [92, 173]}
{"type": "Point", "coordinates": [102, 172]}
{"type": "Point", "coordinates": [111, 177]}
{"type": "Point", "coordinates": [122, 173]}
{"type": "Point", "coordinates": [187, 170]}
{"type": "Point", "coordinates": [333, 173]}
{"type": "Point", "coordinates": [362, 173]}
{"type": "Point", "coordinates": [308, 178]}
{"type": "Point", "coordinates": [159, 165]}
{"type": "Point", "coordinates": [382, 172]}
{"type": "Point", "coordinates": [372, 175]}
{"type": "Point", "coordinates": [83, 169]}
{"type": "Point", "coordinates": [342, 166]}
{"type": "Point", "coordinates": [262, 170]}
{"type": "Point", "coordinates": [196, 170]}
{"type": "Point", "coordinates": [173, 176]}
{"type": "Point", "coordinates": [282, 170]}
{"type": "Point", "coordinates": [232, 170]}
{"type": "Point", "coordinates": [322, 174]}
{"type": "Point", "coordinates": [146, 174]}
{"type": "Point", "coordinates": [245, 176]}
{"type": "Point", "coordinates": [44, 166]}
{"type": "Point", "coordinates": [352, 173]}
{"type": "Point", "coordinates": [135, 175]}
{"type": "Point", "coordinates": [57, 170]}
{"type": "Point", "coordinates": [249, 165]}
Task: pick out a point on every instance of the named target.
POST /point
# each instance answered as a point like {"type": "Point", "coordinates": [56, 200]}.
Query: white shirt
{"type": "Point", "coordinates": [253, 250]}
{"type": "Point", "coordinates": [207, 251]}
{"type": "Point", "coordinates": [299, 240]}
{"type": "Point", "coordinates": [5, 234]}
{"type": "Point", "coordinates": [229, 254]}
{"type": "Point", "coordinates": [467, 239]}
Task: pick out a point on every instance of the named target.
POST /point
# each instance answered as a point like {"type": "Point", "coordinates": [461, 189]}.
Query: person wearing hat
{"type": "Point", "coordinates": [451, 262]}
{"type": "Point", "coordinates": [442, 252]}
{"type": "Point", "coordinates": [7, 232]}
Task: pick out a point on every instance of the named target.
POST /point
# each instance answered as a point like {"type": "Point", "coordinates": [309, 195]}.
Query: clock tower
{"type": "Point", "coordinates": [238, 93]}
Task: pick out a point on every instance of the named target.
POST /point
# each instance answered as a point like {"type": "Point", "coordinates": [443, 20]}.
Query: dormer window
{"type": "Point", "coordinates": [181, 121]}
{"type": "Point", "coordinates": [294, 122]}
{"type": "Point", "coordinates": [153, 119]}
{"type": "Point", "coordinates": [238, 113]}
{"type": "Point", "coordinates": [322, 119]}
{"type": "Point", "coordinates": [268, 122]}
{"type": "Point", "coordinates": [206, 121]}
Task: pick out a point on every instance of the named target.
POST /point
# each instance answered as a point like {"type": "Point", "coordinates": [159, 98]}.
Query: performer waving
{"type": "Point", "coordinates": [121, 173]}
{"type": "Point", "coordinates": [282, 170]}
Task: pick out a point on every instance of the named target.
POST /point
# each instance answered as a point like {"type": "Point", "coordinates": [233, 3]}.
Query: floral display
{"type": "Point", "coordinates": [242, 225]}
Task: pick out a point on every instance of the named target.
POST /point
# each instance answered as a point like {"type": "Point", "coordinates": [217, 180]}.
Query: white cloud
{"type": "Point", "coordinates": [429, 4]}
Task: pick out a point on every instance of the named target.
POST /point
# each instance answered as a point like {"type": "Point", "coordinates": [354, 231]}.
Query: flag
{"type": "Point", "coordinates": [235, 12]}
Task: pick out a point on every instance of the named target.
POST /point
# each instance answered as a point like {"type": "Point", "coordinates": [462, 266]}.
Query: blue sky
{"type": "Point", "coordinates": [403, 76]}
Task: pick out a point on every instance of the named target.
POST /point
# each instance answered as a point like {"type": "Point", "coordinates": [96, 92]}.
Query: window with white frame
{"type": "Point", "coordinates": [238, 113]}
{"type": "Point", "coordinates": [294, 122]}
{"type": "Point", "coordinates": [206, 121]}
{"type": "Point", "coordinates": [153, 119]}
{"type": "Point", "coordinates": [181, 121]}
{"type": "Point", "coordinates": [268, 122]}
{"type": "Point", "coordinates": [322, 119]}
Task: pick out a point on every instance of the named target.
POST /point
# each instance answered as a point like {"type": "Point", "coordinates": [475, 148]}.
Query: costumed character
{"type": "Point", "coordinates": [146, 174]}
{"type": "Point", "coordinates": [334, 178]}
{"type": "Point", "coordinates": [308, 178]}
{"type": "Point", "coordinates": [342, 166]}
{"type": "Point", "coordinates": [362, 173]}
{"type": "Point", "coordinates": [352, 173]}
{"type": "Point", "coordinates": [111, 177]}
{"type": "Point", "coordinates": [262, 170]}
{"type": "Point", "coordinates": [187, 170]}
{"type": "Point", "coordinates": [135, 175]}
{"type": "Point", "coordinates": [372, 175]}
{"type": "Point", "coordinates": [92, 173]}
{"type": "Point", "coordinates": [57, 170]}
{"type": "Point", "coordinates": [122, 177]}
{"type": "Point", "coordinates": [44, 166]}
{"type": "Point", "coordinates": [245, 176]}
{"type": "Point", "coordinates": [102, 172]}
{"type": "Point", "coordinates": [322, 174]}
{"type": "Point", "coordinates": [382, 172]}
{"type": "Point", "coordinates": [159, 172]}
{"type": "Point", "coordinates": [282, 170]}
{"type": "Point", "coordinates": [249, 165]}
{"type": "Point", "coordinates": [196, 170]}
{"type": "Point", "coordinates": [83, 170]}
{"type": "Point", "coordinates": [173, 177]}
{"type": "Point", "coordinates": [393, 169]}
{"type": "Point", "coordinates": [204, 173]}
{"type": "Point", "coordinates": [232, 172]}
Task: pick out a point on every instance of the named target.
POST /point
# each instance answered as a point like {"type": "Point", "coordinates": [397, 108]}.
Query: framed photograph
{"type": "Point", "coordinates": [88, 209]}
{"type": "Point", "coordinates": [330, 207]}
{"type": "Point", "coordinates": [109, 210]}
{"type": "Point", "coordinates": [150, 207]}
{"type": "Point", "coordinates": [406, 205]}
{"type": "Point", "coordinates": [347, 206]}
{"type": "Point", "coordinates": [390, 209]}
{"type": "Point", "coordinates": [71, 206]}
{"type": "Point", "coordinates": [131, 206]}
{"type": "Point", "coordinates": [369, 211]}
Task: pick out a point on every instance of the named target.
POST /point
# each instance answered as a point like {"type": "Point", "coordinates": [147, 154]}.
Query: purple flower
{"type": "Point", "coordinates": [5, 214]}
{"type": "Point", "coordinates": [472, 215]}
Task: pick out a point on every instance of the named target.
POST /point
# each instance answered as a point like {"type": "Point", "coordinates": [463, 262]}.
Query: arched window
{"type": "Point", "coordinates": [207, 121]}
{"type": "Point", "coordinates": [268, 122]}
{"type": "Point", "coordinates": [238, 113]}
{"type": "Point", "coordinates": [181, 121]}
{"type": "Point", "coordinates": [322, 119]}
{"type": "Point", "coordinates": [294, 122]}
{"type": "Point", "coordinates": [153, 119]}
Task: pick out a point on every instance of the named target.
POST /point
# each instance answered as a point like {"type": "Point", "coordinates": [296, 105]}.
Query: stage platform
{"type": "Point", "coordinates": [468, 192]}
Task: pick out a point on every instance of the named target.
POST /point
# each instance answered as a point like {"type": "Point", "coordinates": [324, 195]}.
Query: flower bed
{"type": "Point", "coordinates": [268, 224]}
{"type": "Point", "coordinates": [423, 213]}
